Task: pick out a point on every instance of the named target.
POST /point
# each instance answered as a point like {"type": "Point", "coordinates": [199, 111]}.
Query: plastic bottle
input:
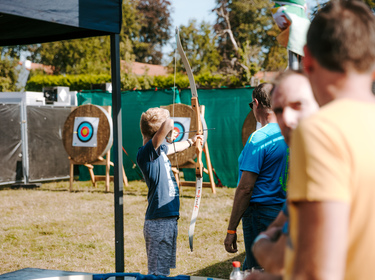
{"type": "Point", "coordinates": [236, 272]}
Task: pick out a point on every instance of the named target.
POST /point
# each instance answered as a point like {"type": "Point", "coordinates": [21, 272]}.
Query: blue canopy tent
{"type": "Point", "coordinates": [24, 22]}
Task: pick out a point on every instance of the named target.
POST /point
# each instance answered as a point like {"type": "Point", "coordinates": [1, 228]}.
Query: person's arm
{"type": "Point", "coordinates": [321, 240]}
{"type": "Point", "coordinates": [240, 203]}
{"type": "Point", "coordinates": [183, 145]}
{"type": "Point", "coordinates": [269, 252]}
{"type": "Point", "coordinates": [160, 135]}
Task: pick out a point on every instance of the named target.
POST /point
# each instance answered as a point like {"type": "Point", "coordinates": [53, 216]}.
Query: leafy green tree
{"type": "Point", "coordinates": [200, 48]}
{"type": "Point", "coordinates": [130, 28]}
{"type": "Point", "coordinates": [154, 20]}
{"type": "Point", "coordinates": [371, 4]}
{"type": "Point", "coordinates": [276, 59]}
{"type": "Point", "coordinates": [247, 23]}
{"type": "Point", "coordinates": [78, 56]}
{"type": "Point", "coordinates": [8, 69]}
{"type": "Point", "coordinates": [8, 74]}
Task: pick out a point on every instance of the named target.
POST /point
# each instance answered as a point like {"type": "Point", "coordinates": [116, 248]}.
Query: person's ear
{"type": "Point", "coordinates": [307, 61]}
{"type": "Point", "coordinates": [256, 102]}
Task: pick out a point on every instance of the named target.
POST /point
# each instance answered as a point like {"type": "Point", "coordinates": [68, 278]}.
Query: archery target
{"type": "Point", "coordinates": [181, 126]}
{"type": "Point", "coordinates": [85, 131]}
{"type": "Point", "coordinates": [184, 115]}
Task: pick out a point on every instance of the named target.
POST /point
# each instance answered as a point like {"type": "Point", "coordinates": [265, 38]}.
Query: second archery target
{"type": "Point", "coordinates": [184, 119]}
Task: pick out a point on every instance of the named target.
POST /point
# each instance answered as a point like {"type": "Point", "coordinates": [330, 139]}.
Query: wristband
{"type": "Point", "coordinates": [259, 237]}
{"type": "Point", "coordinates": [190, 142]}
{"type": "Point", "coordinates": [231, 231]}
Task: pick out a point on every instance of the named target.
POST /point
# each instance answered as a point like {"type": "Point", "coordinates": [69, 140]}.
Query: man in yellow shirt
{"type": "Point", "coordinates": [332, 167]}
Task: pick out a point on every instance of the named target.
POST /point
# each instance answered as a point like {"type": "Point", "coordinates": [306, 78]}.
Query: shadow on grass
{"type": "Point", "coordinates": [20, 186]}
{"type": "Point", "coordinates": [219, 270]}
{"type": "Point", "coordinates": [187, 196]}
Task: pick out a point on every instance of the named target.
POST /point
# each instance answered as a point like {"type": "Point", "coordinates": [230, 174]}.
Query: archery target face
{"type": "Point", "coordinates": [85, 132]}
{"type": "Point", "coordinates": [181, 125]}
{"type": "Point", "coordinates": [178, 128]}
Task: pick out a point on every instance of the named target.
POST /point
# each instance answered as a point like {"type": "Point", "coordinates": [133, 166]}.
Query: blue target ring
{"type": "Point", "coordinates": [85, 131]}
{"type": "Point", "coordinates": [179, 128]}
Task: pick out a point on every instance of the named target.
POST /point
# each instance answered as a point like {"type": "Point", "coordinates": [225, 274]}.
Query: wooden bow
{"type": "Point", "coordinates": [198, 144]}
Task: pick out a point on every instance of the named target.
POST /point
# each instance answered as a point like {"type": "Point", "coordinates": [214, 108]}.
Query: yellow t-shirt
{"type": "Point", "coordinates": [333, 159]}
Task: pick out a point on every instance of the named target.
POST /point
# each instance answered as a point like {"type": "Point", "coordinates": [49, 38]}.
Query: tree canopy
{"type": "Point", "coordinates": [199, 43]}
{"type": "Point", "coordinates": [240, 43]}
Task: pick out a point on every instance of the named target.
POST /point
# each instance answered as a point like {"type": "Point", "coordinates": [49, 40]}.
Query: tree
{"type": "Point", "coordinates": [78, 56]}
{"type": "Point", "coordinates": [154, 19]}
{"type": "Point", "coordinates": [200, 48]}
{"type": "Point", "coordinates": [8, 74]}
{"type": "Point", "coordinates": [371, 4]}
{"type": "Point", "coordinates": [129, 29]}
{"type": "Point", "coordinates": [247, 23]}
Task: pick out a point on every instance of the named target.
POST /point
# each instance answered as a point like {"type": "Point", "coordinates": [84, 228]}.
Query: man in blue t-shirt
{"type": "Point", "coordinates": [292, 100]}
{"type": "Point", "coordinates": [160, 228]}
{"type": "Point", "coordinates": [263, 172]}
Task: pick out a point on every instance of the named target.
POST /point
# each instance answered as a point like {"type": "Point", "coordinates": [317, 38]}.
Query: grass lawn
{"type": "Point", "coordinates": [52, 228]}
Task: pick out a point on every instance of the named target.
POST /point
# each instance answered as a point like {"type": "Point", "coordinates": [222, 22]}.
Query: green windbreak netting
{"type": "Point", "coordinates": [226, 110]}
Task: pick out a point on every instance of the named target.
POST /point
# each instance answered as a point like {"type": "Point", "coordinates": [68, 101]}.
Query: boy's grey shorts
{"type": "Point", "coordinates": [161, 244]}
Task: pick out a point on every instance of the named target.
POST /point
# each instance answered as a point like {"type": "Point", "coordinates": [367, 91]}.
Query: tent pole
{"type": "Point", "coordinates": [117, 152]}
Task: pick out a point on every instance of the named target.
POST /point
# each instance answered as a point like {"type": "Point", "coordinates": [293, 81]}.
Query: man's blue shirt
{"type": "Point", "coordinates": [163, 194]}
{"type": "Point", "coordinates": [267, 155]}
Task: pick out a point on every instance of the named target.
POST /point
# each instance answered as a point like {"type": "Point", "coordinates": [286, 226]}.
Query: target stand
{"type": "Point", "coordinates": [184, 120]}
{"type": "Point", "coordinates": [87, 138]}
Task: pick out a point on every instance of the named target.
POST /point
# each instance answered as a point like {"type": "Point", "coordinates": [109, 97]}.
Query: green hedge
{"type": "Point", "coordinates": [130, 81]}
{"type": "Point", "coordinates": [74, 82]}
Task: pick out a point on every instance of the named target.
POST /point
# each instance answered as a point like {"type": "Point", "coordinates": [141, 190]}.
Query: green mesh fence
{"type": "Point", "coordinates": [226, 110]}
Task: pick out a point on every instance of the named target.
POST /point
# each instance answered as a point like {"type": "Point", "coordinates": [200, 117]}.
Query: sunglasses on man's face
{"type": "Point", "coordinates": [251, 104]}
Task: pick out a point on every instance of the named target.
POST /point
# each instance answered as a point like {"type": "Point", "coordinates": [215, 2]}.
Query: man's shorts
{"type": "Point", "coordinates": [161, 244]}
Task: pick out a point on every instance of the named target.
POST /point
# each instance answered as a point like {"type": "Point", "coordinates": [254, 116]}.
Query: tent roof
{"type": "Point", "coordinates": [25, 22]}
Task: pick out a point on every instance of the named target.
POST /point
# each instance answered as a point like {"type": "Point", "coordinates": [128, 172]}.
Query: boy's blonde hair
{"type": "Point", "coordinates": [151, 120]}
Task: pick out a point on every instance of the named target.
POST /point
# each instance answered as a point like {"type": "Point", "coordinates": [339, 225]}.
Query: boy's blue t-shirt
{"type": "Point", "coordinates": [163, 193]}
{"type": "Point", "coordinates": [267, 155]}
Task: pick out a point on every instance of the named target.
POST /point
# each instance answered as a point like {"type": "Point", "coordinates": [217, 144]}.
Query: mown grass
{"type": "Point", "coordinates": [52, 228]}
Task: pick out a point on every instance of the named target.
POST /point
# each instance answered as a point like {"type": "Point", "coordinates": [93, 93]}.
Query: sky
{"type": "Point", "coordinates": [184, 10]}
{"type": "Point", "coordinates": [189, 9]}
